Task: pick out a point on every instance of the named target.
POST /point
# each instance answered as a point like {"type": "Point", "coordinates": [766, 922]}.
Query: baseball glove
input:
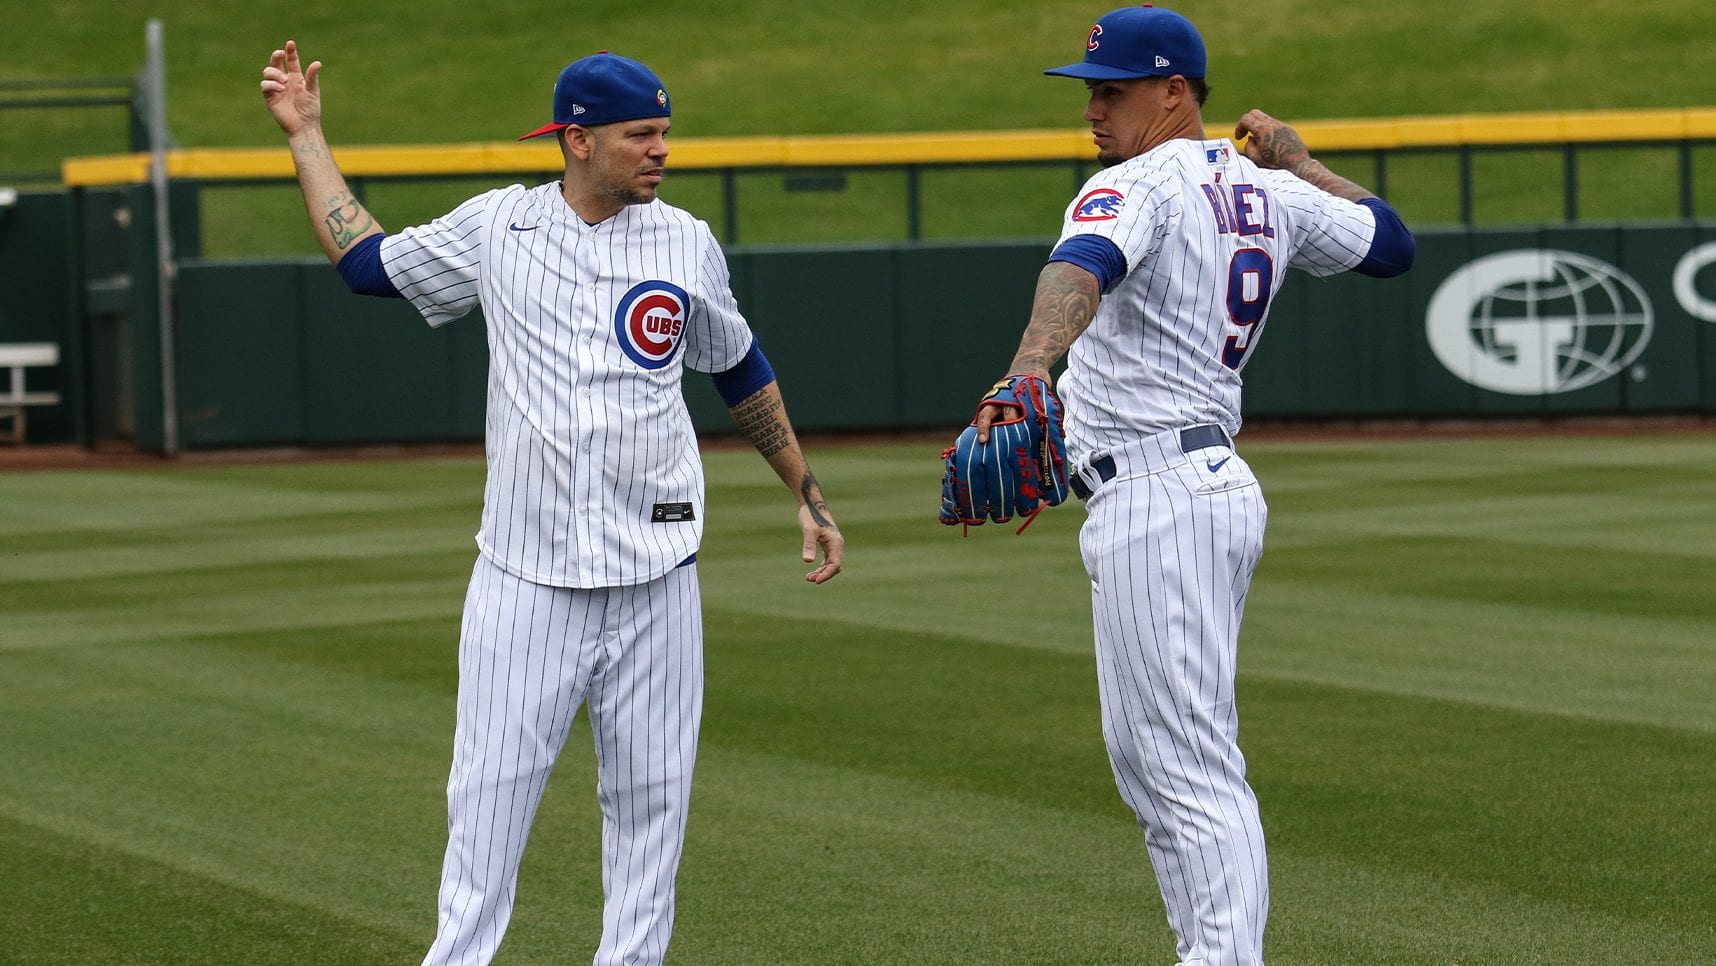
{"type": "Point", "coordinates": [1020, 470]}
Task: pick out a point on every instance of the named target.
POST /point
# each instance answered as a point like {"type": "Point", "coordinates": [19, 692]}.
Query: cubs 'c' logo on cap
{"type": "Point", "coordinates": [1093, 43]}
{"type": "Point", "coordinates": [1103, 204]}
{"type": "Point", "coordinates": [650, 321]}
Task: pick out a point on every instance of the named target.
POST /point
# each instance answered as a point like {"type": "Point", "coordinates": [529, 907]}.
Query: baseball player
{"type": "Point", "coordinates": [597, 295]}
{"type": "Point", "coordinates": [1160, 286]}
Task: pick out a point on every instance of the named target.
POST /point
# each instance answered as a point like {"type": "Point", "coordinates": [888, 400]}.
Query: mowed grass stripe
{"type": "Point", "coordinates": [904, 765]}
{"type": "Point", "coordinates": [68, 902]}
{"type": "Point", "coordinates": [1637, 670]}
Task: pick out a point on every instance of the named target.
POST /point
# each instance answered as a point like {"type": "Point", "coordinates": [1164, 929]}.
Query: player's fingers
{"type": "Point", "coordinates": [292, 56]}
{"type": "Point", "coordinates": [985, 419]}
{"type": "Point", "coordinates": [833, 558]}
{"type": "Point", "coordinates": [310, 76]}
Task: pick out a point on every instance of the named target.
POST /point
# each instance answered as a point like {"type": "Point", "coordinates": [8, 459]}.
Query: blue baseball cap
{"type": "Point", "coordinates": [601, 89]}
{"type": "Point", "coordinates": [1141, 41]}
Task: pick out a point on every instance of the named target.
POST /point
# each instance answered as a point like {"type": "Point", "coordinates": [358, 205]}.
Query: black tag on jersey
{"type": "Point", "coordinates": [672, 513]}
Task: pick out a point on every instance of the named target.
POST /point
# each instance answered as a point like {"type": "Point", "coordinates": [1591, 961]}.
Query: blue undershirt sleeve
{"type": "Point", "coordinates": [751, 374]}
{"type": "Point", "coordinates": [1392, 249]}
{"type": "Point", "coordinates": [362, 271]}
{"type": "Point", "coordinates": [1096, 255]}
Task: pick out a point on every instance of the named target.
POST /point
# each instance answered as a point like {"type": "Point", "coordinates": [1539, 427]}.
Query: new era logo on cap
{"type": "Point", "coordinates": [602, 89]}
{"type": "Point", "coordinates": [1161, 61]}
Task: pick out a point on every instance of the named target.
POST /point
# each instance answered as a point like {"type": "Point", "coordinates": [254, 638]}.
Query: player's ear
{"type": "Point", "coordinates": [1178, 90]}
{"type": "Point", "coordinates": [578, 141]}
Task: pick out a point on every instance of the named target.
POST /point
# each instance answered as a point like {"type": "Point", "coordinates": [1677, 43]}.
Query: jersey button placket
{"type": "Point", "coordinates": [587, 315]}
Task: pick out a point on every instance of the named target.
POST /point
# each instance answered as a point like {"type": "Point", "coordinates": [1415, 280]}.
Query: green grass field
{"type": "Point", "coordinates": [1475, 687]}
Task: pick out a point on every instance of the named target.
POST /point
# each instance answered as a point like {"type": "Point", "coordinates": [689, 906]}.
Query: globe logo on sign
{"type": "Point", "coordinates": [1538, 321]}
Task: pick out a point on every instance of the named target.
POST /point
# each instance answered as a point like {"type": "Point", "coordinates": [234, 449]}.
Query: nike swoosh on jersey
{"type": "Point", "coordinates": [515, 227]}
{"type": "Point", "coordinates": [1218, 464]}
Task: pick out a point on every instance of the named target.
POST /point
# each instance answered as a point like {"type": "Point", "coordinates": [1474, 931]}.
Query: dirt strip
{"type": "Point", "coordinates": [66, 457]}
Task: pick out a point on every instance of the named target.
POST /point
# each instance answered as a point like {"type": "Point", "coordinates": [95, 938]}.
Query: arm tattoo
{"type": "Point", "coordinates": [1282, 147]}
{"type": "Point", "coordinates": [760, 419]}
{"type": "Point", "coordinates": [1315, 173]}
{"type": "Point", "coordinates": [811, 491]}
{"type": "Point", "coordinates": [1066, 301]}
{"type": "Point", "coordinates": [346, 220]}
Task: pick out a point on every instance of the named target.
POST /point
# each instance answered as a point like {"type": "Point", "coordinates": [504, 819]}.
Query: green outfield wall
{"type": "Point", "coordinates": [1562, 321]}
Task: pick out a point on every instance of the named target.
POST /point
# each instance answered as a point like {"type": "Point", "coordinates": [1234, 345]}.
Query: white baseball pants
{"type": "Point", "coordinates": [1170, 545]}
{"type": "Point", "coordinates": [529, 655]}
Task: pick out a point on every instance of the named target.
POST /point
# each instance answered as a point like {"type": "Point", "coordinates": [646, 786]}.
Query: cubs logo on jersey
{"type": "Point", "coordinates": [1103, 204]}
{"type": "Point", "coordinates": [651, 321]}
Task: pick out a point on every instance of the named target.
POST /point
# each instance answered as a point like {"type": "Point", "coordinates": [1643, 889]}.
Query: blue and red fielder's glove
{"type": "Point", "coordinates": [1020, 470]}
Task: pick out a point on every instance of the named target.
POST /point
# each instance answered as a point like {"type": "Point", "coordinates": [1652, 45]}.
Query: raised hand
{"type": "Point", "coordinates": [293, 95]}
{"type": "Point", "coordinates": [1273, 143]}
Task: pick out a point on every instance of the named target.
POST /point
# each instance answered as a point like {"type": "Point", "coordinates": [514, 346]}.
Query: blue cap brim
{"type": "Point", "coordinates": [1088, 71]}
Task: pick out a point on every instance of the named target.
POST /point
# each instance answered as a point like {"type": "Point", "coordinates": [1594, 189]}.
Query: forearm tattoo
{"type": "Point", "coordinates": [812, 493]}
{"type": "Point", "coordinates": [1283, 148]}
{"type": "Point", "coordinates": [1066, 301]}
{"type": "Point", "coordinates": [1315, 173]}
{"type": "Point", "coordinates": [763, 422]}
{"type": "Point", "coordinates": [346, 219]}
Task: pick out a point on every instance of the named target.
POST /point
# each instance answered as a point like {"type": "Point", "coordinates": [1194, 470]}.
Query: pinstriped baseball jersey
{"type": "Point", "coordinates": [1208, 237]}
{"type": "Point", "coordinates": [593, 473]}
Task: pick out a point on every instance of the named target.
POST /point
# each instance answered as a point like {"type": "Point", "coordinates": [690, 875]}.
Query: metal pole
{"type": "Point", "coordinates": [155, 89]}
{"type": "Point", "coordinates": [1465, 185]}
{"type": "Point", "coordinates": [730, 204]}
{"type": "Point", "coordinates": [914, 204]}
{"type": "Point", "coordinates": [1687, 207]}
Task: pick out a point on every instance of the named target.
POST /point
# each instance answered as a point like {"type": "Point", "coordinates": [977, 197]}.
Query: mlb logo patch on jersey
{"type": "Point", "coordinates": [1216, 155]}
{"type": "Point", "coordinates": [1103, 204]}
{"type": "Point", "coordinates": [650, 321]}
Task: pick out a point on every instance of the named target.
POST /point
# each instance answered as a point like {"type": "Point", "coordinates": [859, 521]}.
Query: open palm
{"type": "Point", "coordinates": [293, 95]}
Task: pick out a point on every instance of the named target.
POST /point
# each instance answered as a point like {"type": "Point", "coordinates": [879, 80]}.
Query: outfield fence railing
{"type": "Point", "coordinates": [916, 240]}
{"type": "Point", "coordinates": [32, 159]}
{"type": "Point", "coordinates": [1538, 168]}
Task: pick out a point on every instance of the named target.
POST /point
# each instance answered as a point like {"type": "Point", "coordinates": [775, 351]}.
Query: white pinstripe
{"type": "Point", "coordinates": [1170, 555]}
{"type": "Point", "coordinates": [529, 656]}
{"type": "Point", "coordinates": [1173, 538]}
{"type": "Point", "coordinates": [579, 595]}
{"type": "Point", "coordinates": [582, 442]}
{"type": "Point", "coordinates": [1152, 357]}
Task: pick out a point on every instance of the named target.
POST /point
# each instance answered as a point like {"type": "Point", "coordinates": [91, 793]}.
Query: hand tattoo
{"type": "Point", "coordinates": [811, 491]}
{"type": "Point", "coordinates": [1282, 147]}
